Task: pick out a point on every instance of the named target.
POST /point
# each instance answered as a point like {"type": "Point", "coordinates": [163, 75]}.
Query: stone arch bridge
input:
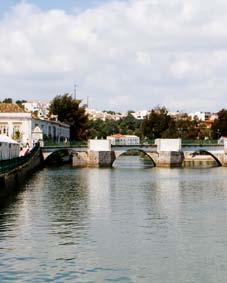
{"type": "Point", "coordinates": [83, 157]}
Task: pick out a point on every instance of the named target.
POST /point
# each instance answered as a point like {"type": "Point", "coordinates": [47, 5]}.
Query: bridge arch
{"type": "Point", "coordinates": [205, 152]}
{"type": "Point", "coordinates": [151, 155]}
{"type": "Point", "coordinates": [59, 155]}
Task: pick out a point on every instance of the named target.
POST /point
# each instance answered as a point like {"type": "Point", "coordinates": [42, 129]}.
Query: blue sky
{"type": "Point", "coordinates": [133, 54]}
{"type": "Point", "coordinates": [66, 5]}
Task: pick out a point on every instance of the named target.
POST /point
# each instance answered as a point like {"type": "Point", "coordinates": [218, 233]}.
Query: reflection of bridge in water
{"type": "Point", "coordinates": [82, 156]}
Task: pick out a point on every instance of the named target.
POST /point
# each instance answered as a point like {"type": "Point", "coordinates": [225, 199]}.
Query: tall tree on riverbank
{"type": "Point", "coordinates": [156, 123]}
{"type": "Point", "coordinates": [219, 127]}
{"type": "Point", "coordinates": [70, 112]}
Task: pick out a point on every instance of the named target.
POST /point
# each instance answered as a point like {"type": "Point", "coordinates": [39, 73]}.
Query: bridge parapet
{"type": "Point", "coordinates": [168, 145]}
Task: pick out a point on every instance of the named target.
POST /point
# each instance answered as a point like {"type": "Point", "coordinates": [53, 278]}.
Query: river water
{"type": "Point", "coordinates": [127, 224]}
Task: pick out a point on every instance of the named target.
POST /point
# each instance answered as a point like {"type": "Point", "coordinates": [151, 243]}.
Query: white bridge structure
{"type": "Point", "coordinates": [166, 153]}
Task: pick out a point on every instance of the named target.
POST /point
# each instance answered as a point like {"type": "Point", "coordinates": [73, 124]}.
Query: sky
{"type": "Point", "coordinates": [121, 55]}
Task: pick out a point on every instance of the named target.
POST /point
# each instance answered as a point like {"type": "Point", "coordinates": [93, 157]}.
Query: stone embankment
{"type": "Point", "coordinates": [13, 176]}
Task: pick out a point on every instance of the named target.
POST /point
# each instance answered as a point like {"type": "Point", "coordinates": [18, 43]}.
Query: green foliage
{"type": "Point", "coordinates": [156, 123]}
{"type": "Point", "coordinates": [19, 102]}
{"type": "Point", "coordinates": [219, 127]}
{"type": "Point", "coordinates": [127, 126]}
{"type": "Point", "coordinates": [102, 129]}
{"type": "Point", "coordinates": [186, 129]}
{"type": "Point", "coordinates": [7, 100]}
{"type": "Point", "coordinates": [161, 125]}
{"type": "Point", "coordinates": [17, 135]}
{"type": "Point", "coordinates": [70, 112]}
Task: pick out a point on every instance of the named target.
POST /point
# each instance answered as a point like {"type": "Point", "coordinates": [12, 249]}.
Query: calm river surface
{"type": "Point", "coordinates": [126, 224]}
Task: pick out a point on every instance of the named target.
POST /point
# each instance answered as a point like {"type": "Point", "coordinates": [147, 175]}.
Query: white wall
{"type": "Point", "coordinates": [61, 130]}
{"type": "Point", "coordinates": [99, 145]}
{"type": "Point", "coordinates": [23, 120]}
{"type": "Point", "coordinates": [168, 144]}
{"type": "Point", "coordinates": [124, 140]}
{"type": "Point", "coordinates": [26, 124]}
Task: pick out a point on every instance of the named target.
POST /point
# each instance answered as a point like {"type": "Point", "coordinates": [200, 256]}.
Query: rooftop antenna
{"type": "Point", "coordinates": [87, 100]}
{"type": "Point", "coordinates": [74, 93]}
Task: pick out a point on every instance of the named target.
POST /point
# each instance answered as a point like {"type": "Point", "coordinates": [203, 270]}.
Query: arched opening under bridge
{"type": "Point", "coordinates": [204, 159]}
{"type": "Point", "coordinates": [58, 157]}
{"type": "Point", "coordinates": [133, 158]}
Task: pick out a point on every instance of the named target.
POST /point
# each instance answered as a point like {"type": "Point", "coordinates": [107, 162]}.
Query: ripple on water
{"type": "Point", "coordinates": [117, 225]}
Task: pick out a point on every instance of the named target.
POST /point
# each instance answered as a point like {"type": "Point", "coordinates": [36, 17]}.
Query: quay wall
{"type": "Point", "coordinates": [13, 179]}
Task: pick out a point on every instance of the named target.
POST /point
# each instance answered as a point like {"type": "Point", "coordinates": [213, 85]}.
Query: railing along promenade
{"type": "Point", "coordinates": [10, 164]}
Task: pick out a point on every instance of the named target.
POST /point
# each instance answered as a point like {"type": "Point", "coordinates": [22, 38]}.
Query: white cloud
{"type": "Point", "coordinates": [124, 54]}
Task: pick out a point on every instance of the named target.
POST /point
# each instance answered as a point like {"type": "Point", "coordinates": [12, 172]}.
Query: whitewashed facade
{"type": "Point", "coordinates": [20, 126]}
{"type": "Point", "coordinates": [120, 139]}
{"type": "Point", "coordinates": [140, 115]}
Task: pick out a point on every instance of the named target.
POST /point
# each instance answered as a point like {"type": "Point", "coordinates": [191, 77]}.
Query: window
{"type": "Point", "coordinates": [4, 128]}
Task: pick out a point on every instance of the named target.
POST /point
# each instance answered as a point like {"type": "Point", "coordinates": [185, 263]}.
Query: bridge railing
{"type": "Point", "coordinates": [10, 164]}
{"type": "Point", "coordinates": [199, 142]}
{"type": "Point", "coordinates": [63, 144]}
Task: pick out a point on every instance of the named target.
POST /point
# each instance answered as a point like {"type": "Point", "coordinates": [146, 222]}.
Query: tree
{"type": "Point", "coordinates": [7, 100]}
{"type": "Point", "coordinates": [129, 125]}
{"type": "Point", "coordinates": [187, 129]}
{"type": "Point", "coordinates": [156, 123]}
{"type": "Point", "coordinates": [219, 127]}
{"type": "Point", "coordinates": [102, 129]}
{"type": "Point", "coordinates": [70, 112]}
{"type": "Point", "coordinates": [19, 102]}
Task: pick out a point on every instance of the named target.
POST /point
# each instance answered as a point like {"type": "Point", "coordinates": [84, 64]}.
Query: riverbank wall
{"type": "Point", "coordinates": [13, 178]}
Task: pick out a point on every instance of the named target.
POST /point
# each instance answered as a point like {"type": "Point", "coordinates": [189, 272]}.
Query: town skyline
{"type": "Point", "coordinates": [46, 102]}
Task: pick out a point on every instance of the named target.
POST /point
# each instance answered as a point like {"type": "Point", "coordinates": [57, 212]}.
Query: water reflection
{"type": "Point", "coordinates": [135, 161]}
{"type": "Point", "coordinates": [121, 225]}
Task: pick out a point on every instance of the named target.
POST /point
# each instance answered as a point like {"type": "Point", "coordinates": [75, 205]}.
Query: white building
{"type": "Point", "coordinates": [19, 125]}
{"type": "Point", "coordinates": [119, 139]}
{"type": "Point", "coordinates": [103, 115]}
{"type": "Point", "coordinates": [40, 107]}
{"type": "Point", "coordinates": [140, 115]}
{"type": "Point", "coordinates": [202, 116]}
{"type": "Point", "coordinates": [9, 148]}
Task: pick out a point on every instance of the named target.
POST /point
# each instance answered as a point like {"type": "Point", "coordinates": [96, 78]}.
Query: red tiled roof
{"type": "Point", "coordinates": [10, 107]}
{"type": "Point", "coordinates": [118, 136]}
